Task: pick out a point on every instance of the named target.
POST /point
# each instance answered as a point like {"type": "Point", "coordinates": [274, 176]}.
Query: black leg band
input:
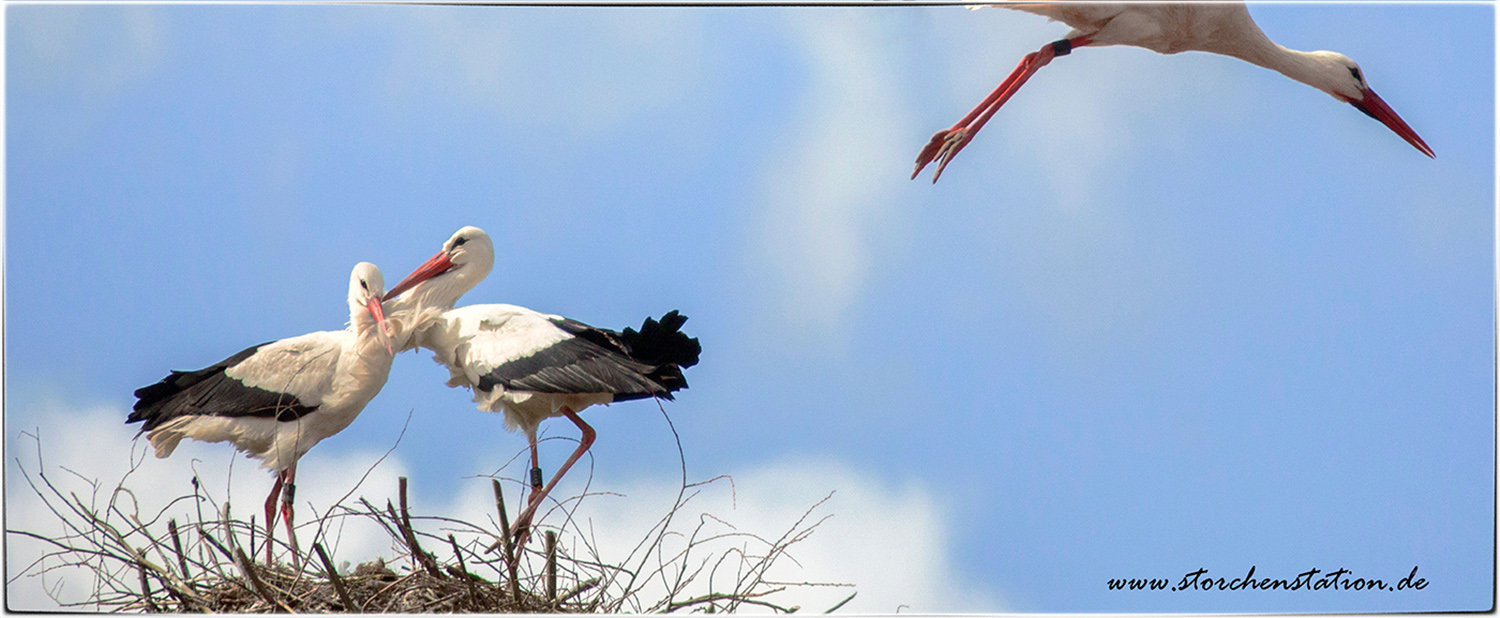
{"type": "Point", "coordinates": [1062, 48]}
{"type": "Point", "coordinates": [536, 478]}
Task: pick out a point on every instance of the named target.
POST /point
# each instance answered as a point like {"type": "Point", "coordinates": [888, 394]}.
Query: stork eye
{"type": "Point", "coordinates": [458, 242]}
{"type": "Point", "coordinates": [1357, 77]}
{"type": "Point", "coordinates": [364, 285]}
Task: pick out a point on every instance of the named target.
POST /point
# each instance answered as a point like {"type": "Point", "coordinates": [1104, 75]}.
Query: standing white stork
{"type": "Point", "coordinates": [274, 401]}
{"type": "Point", "coordinates": [532, 366]}
{"type": "Point", "coordinates": [1169, 29]}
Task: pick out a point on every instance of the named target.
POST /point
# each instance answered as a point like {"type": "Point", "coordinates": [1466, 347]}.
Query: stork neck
{"type": "Point", "coordinates": [1307, 67]}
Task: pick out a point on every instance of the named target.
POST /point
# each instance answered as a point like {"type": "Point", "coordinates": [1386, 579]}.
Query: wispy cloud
{"type": "Point", "coordinates": [824, 217]}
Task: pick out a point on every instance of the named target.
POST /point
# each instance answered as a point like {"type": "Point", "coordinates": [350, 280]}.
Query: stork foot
{"type": "Point", "coordinates": [943, 146]}
{"type": "Point", "coordinates": [946, 144]}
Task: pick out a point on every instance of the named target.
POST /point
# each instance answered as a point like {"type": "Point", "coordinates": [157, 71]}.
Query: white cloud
{"type": "Point", "coordinates": [890, 541]}
{"type": "Point", "coordinates": [824, 217]}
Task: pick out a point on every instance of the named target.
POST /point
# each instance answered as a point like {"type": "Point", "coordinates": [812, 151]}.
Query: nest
{"type": "Point", "coordinates": [372, 588]}
{"type": "Point", "coordinates": [135, 561]}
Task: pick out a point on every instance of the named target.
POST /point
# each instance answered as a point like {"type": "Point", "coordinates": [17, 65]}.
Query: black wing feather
{"type": "Point", "coordinates": [629, 364]}
{"type": "Point", "coordinates": [576, 366]}
{"type": "Point", "coordinates": [208, 392]}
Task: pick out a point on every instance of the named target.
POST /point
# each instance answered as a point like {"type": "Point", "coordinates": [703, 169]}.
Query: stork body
{"type": "Point", "coordinates": [276, 400]}
{"type": "Point", "coordinates": [1171, 28]}
{"type": "Point", "coordinates": [532, 366]}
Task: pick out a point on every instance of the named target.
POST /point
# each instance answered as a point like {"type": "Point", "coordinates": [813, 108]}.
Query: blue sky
{"type": "Point", "coordinates": [1163, 314]}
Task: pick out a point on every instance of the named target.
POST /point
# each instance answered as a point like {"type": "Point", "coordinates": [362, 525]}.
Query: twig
{"type": "Point", "coordinates": [146, 589]}
{"type": "Point", "coordinates": [338, 583]}
{"type": "Point", "coordinates": [204, 533]}
{"type": "Point", "coordinates": [411, 543]}
{"type": "Point", "coordinates": [841, 603]}
{"type": "Point", "coordinates": [425, 558]}
{"type": "Point", "coordinates": [177, 546]}
{"type": "Point", "coordinates": [229, 536]}
{"type": "Point", "coordinates": [736, 598]}
{"type": "Point", "coordinates": [463, 571]}
{"type": "Point", "coordinates": [248, 569]}
{"type": "Point", "coordinates": [577, 590]}
{"type": "Point", "coordinates": [551, 568]}
{"type": "Point", "coordinates": [510, 549]}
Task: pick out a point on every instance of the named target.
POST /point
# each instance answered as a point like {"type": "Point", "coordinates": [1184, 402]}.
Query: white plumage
{"type": "Point", "coordinates": [531, 366]}
{"type": "Point", "coordinates": [480, 339]}
{"type": "Point", "coordinates": [1170, 28]}
{"type": "Point", "coordinates": [275, 401]}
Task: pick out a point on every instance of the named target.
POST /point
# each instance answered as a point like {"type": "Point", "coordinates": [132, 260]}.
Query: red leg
{"type": "Point", "coordinates": [271, 513]}
{"type": "Point", "coordinates": [286, 511]}
{"type": "Point", "coordinates": [946, 144]}
{"type": "Point", "coordinates": [523, 521]}
{"type": "Point", "coordinates": [536, 470]}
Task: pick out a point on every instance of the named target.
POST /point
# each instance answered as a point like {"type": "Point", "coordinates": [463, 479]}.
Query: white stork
{"type": "Point", "coordinates": [532, 366]}
{"type": "Point", "coordinates": [1171, 28]}
{"type": "Point", "coordinates": [274, 401]}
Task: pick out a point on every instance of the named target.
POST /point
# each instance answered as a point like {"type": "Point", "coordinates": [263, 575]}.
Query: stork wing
{"type": "Point", "coordinates": [1084, 17]}
{"type": "Point", "coordinates": [282, 379]}
{"type": "Point", "coordinates": [522, 350]}
{"type": "Point", "coordinates": [302, 367]}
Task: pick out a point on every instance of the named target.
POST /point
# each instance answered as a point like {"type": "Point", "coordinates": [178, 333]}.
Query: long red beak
{"type": "Point", "coordinates": [1375, 107]}
{"type": "Point", "coordinates": [433, 267]}
{"type": "Point", "coordinates": [379, 312]}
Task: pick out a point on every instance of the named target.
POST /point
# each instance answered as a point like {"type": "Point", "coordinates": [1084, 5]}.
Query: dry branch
{"type": "Point", "coordinates": [204, 568]}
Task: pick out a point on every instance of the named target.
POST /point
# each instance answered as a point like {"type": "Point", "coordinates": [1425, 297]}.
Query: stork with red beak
{"type": "Point", "coordinates": [528, 365]}
{"type": "Point", "coordinates": [1170, 28]}
{"type": "Point", "coordinates": [276, 400]}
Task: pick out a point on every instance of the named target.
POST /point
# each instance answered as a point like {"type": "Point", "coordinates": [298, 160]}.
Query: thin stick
{"type": "Point", "coordinates": [411, 543]}
{"type": "Point", "coordinates": [463, 571]}
{"type": "Point", "coordinates": [228, 524]}
{"type": "Point", "coordinates": [338, 582]}
{"type": "Point", "coordinates": [577, 590]}
{"type": "Point", "coordinates": [177, 546]}
{"type": "Point", "coordinates": [551, 565]}
{"type": "Point", "coordinates": [260, 588]}
{"type": "Point", "coordinates": [204, 533]}
{"type": "Point", "coordinates": [146, 589]}
{"type": "Point", "coordinates": [426, 559]}
{"type": "Point", "coordinates": [510, 550]}
{"type": "Point", "coordinates": [841, 603]}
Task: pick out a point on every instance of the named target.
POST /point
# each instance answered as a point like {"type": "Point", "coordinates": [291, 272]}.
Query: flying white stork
{"type": "Point", "coordinates": [532, 366]}
{"type": "Point", "coordinates": [1169, 29]}
{"type": "Point", "coordinates": [274, 401]}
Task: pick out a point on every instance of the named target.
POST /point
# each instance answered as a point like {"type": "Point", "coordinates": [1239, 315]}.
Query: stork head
{"type": "Point", "coordinates": [366, 285]}
{"type": "Point", "coordinates": [1340, 76]}
{"type": "Point", "coordinates": [465, 260]}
